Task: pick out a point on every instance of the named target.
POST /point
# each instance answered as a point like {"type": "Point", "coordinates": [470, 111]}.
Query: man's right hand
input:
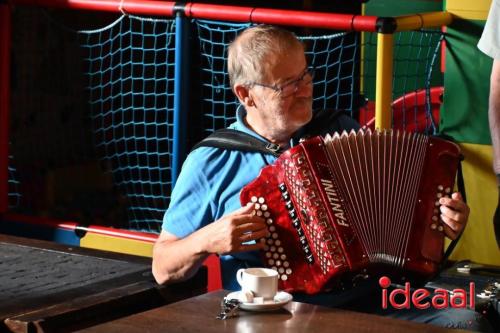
{"type": "Point", "coordinates": [232, 232]}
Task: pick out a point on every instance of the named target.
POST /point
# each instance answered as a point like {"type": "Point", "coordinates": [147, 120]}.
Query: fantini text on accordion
{"type": "Point", "coordinates": [351, 204]}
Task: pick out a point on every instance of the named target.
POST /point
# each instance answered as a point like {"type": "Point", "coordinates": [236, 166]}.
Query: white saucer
{"type": "Point", "coordinates": [281, 299]}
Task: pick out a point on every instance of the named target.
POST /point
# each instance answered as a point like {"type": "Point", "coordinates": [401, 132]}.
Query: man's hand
{"type": "Point", "coordinates": [229, 233]}
{"type": "Point", "coordinates": [454, 213]}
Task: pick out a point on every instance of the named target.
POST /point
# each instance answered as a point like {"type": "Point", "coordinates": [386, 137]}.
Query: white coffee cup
{"type": "Point", "coordinates": [262, 282]}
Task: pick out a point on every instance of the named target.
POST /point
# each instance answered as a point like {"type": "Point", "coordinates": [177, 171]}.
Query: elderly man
{"type": "Point", "coordinates": [270, 76]}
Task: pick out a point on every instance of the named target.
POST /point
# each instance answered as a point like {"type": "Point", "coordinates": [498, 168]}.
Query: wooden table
{"type": "Point", "coordinates": [46, 286]}
{"type": "Point", "coordinates": [198, 314]}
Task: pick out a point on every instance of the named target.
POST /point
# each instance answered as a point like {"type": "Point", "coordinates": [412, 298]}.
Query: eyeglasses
{"type": "Point", "coordinates": [289, 88]}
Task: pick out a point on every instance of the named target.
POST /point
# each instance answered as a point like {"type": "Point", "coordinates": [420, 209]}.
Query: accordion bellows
{"type": "Point", "coordinates": [354, 202]}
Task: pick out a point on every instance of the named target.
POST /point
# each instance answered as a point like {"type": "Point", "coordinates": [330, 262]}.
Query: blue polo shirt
{"type": "Point", "coordinates": [209, 187]}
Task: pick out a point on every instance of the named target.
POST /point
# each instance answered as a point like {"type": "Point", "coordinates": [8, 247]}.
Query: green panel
{"type": "Point", "coordinates": [464, 115]}
{"type": "Point", "coordinates": [398, 7]}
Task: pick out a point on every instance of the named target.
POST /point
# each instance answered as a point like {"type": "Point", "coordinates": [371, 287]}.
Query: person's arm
{"type": "Point", "coordinates": [494, 114]}
{"type": "Point", "coordinates": [176, 259]}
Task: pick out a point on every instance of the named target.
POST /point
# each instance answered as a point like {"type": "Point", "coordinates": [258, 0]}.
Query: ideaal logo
{"type": "Point", "coordinates": [439, 299]}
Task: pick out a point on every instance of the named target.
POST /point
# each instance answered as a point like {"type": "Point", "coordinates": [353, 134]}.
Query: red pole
{"type": "Point", "coordinates": [137, 7]}
{"type": "Point", "coordinates": [5, 44]}
{"type": "Point", "coordinates": [282, 17]}
{"type": "Point", "coordinates": [220, 12]}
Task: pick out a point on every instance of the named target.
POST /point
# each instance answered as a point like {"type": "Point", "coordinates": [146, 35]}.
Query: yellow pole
{"type": "Point", "coordinates": [424, 20]}
{"type": "Point", "coordinates": [383, 89]}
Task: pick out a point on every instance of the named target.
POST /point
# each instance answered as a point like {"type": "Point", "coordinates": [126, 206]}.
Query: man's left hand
{"type": "Point", "coordinates": [454, 213]}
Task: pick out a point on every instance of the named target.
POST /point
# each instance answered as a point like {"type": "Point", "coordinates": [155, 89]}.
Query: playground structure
{"type": "Point", "coordinates": [140, 117]}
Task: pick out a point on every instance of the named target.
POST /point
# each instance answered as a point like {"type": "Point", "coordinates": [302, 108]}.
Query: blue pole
{"type": "Point", "coordinates": [180, 93]}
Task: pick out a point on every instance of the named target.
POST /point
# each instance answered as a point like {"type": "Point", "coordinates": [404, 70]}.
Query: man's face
{"type": "Point", "coordinates": [287, 110]}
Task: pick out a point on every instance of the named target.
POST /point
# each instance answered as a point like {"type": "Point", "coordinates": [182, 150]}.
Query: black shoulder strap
{"type": "Point", "coordinates": [324, 121]}
{"type": "Point", "coordinates": [231, 139]}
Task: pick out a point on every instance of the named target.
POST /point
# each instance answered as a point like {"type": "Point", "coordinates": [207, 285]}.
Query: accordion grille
{"type": "Point", "coordinates": [380, 172]}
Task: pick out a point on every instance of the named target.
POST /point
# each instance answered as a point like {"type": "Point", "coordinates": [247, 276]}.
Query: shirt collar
{"type": "Point", "coordinates": [240, 125]}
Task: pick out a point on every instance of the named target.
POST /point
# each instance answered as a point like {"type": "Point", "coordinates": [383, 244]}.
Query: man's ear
{"type": "Point", "coordinates": [243, 94]}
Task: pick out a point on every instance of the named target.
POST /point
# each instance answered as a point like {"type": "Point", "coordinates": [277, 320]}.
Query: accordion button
{"type": "Point", "coordinates": [286, 264]}
{"type": "Point", "coordinates": [276, 256]}
{"type": "Point", "coordinates": [259, 213]}
{"type": "Point", "coordinates": [286, 196]}
{"type": "Point", "coordinates": [277, 242]}
{"type": "Point", "coordinates": [274, 235]}
{"type": "Point", "coordinates": [269, 254]}
{"type": "Point", "coordinates": [253, 199]}
{"type": "Point", "coordinates": [440, 228]}
{"type": "Point", "coordinates": [435, 218]}
{"type": "Point", "coordinates": [257, 206]}
{"type": "Point", "coordinates": [282, 187]}
{"type": "Point", "coordinates": [261, 200]}
{"type": "Point", "coordinates": [263, 207]}
{"type": "Point", "coordinates": [284, 277]}
{"type": "Point", "coordinates": [439, 195]}
{"type": "Point", "coordinates": [440, 187]}
{"type": "Point", "coordinates": [289, 205]}
{"type": "Point", "coordinates": [270, 262]}
{"type": "Point", "coordinates": [437, 203]}
{"type": "Point", "coordinates": [269, 221]}
{"type": "Point", "coordinates": [280, 250]}
{"type": "Point", "coordinates": [267, 214]}
{"type": "Point", "coordinates": [283, 256]}
{"type": "Point", "coordinates": [272, 228]}
{"type": "Point", "coordinates": [447, 190]}
{"type": "Point", "coordinates": [433, 226]}
{"type": "Point", "coordinates": [288, 271]}
{"type": "Point", "coordinates": [281, 270]}
{"type": "Point", "coordinates": [273, 248]}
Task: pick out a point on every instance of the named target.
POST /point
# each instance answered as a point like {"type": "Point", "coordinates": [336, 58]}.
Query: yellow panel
{"type": "Point", "coordinates": [469, 10]}
{"type": "Point", "coordinates": [115, 244]}
{"type": "Point", "coordinates": [478, 241]}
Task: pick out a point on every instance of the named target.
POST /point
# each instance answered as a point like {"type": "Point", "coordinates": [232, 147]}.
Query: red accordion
{"type": "Point", "coordinates": [356, 202]}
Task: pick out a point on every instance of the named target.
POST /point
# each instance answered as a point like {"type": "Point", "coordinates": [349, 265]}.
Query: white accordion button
{"type": "Point", "coordinates": [447, 190]}
{"type": "Point", "coordinates": [257, 206]}
{"type": "Point", "coordinates": [273, 248]}
{"type": "Point", "coordinates": [433, 226]}
{"type": "Point", "coordinates": [269, 254]}
{"type": "Point", "coordinates": [440, 228]}
{"type": "Point", "coordinates": [269, 221]}
{"type": "Point", "coordinates": [276, 256]}
{"type": "Point", "coordinates": [281, 270]}
{"type": "Point", "coordinates": [267, 214]}
{"type": "Point", "coordinates": [274, 235]}
{"type": "Point", "coordinates": [253, 199]}
{"type": "Point", "coordinates": [440, 188]}
{"type": "Point", "coordinates": [288, 271]}
{"type": "Point", "coordinates": [284, 277]}
{"type": "Point", "coordinates": [270, 241]}
{"type": "Point", "coordinates": [283, 256]}
{"type": "Point", "coordinates": [259, 213]}
{"type": "Point", "coordinates": [261, 200]}
{"type": "Point", "coordinates": [280, 249]}
{"type": "Point", "coordinates": [278, 242]}
{"type": "Point", "coordinates": [286, 264]}
{"type": "Point", "coordinates": [434, 218]}
{"type": "Point", "coordinates": [270, 262]}
{"type": "Point", "coordinates": [278, 263]}
{"type": "Point", "coordinates": [263, 207]}
{"type": "Point", "coordinates": [272, 229]}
